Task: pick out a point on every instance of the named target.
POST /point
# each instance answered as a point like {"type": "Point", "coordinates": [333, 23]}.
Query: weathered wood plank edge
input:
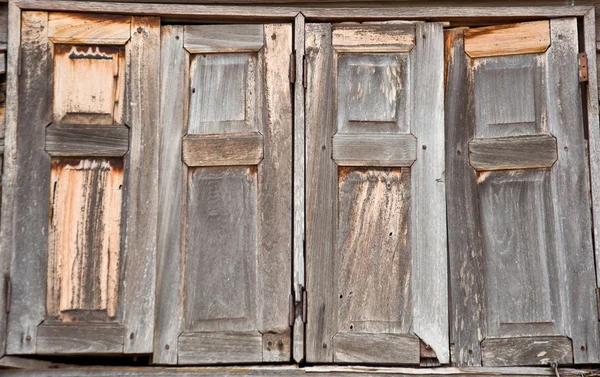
{"type": "Point", "coordinates": [313, 13]}
{"type": "Point", "coordinates": [337, 371]}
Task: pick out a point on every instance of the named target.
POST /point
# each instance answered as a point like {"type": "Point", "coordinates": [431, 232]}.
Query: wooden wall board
{"type": "Point", "coordinates": [515, 39]}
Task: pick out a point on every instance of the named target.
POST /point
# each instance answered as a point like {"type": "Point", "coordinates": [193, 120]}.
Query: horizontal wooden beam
{"type": "Point", "coordinates": [84, 140]}
{"type": "Point", "coordinates": [374, 149]}
{"type": "Point", "coordinates": [376, 348]}
{"type": "Point", "coordinates": [517, 152]}
{"type": "Point", "coordinates": [223, 149]}
{"type": "Point", "coordinates": [527, 351]}
{"type": "Point", "coordinates": [88, 29]}
{"type": "Point", "coordinates": [71, 339]}
{"type": "Point", "coordinates": [376, 38]}
{"type": "Point", "coordinates": [223, 38]}
{"type": "Point", "coordinates": [211, 347]}
{"type": "Point", "coordinates": [515, 39]}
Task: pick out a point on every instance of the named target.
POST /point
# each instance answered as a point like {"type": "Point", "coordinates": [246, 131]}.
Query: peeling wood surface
{"type": "Point", "coordinates": [515, 39]}
{"type": "Point", "coordinates": [377, 38]}
{"type": "Point", "coordinates": [84, 237]}
{"type": "Point", "coordinates": [222, 149]}
{"type": "Point", "coordinates": [527, 351]}
{"type": "Point", "coordinates": [75, 28]}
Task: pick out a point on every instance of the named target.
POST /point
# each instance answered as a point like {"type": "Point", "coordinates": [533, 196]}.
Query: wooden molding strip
{"type": "Point", "coordinates": [392, 37]}
{"type": "Point", "coordinates": [517, 152]}
{"type": "Point", "coordinates": [526, 351]}
{"type": "Point", "coordinates": [85, 140]}
{"type": "Point", "coordinates": [103, 338]}
{"type": "Point", "coordinates": [73, 28]}
{"type": "Point", "coordinates": [515, 39]}
{"type": "Point", "coordinates": [376, 348]}
{"type": "Point", "coordinates": [374, 149]}
{"type": "Point", "coordinates": [223, 149]}
{"type": "Point", "coordinates": [223, 38]}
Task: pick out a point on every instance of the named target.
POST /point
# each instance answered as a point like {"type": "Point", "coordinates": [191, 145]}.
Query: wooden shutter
{"type": "Point", "coordinates": [521, 256]}
{"type": "Point", "coordinates": [85, 193]}
{"type": "Point", "coordinates": [225, 195]}
{"type": "Point", "coordinates": [376, 228]}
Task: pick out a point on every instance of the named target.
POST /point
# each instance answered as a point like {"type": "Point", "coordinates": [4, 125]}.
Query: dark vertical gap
{"type": "Point", "coordinates": [293, 214]}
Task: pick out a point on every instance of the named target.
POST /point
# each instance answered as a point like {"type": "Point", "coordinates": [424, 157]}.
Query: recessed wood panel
{"type": "Point", "coordinates": [373, 91]}
{"type": "Point", "coordinates": [518, 240]}
{"type": "Point", "coordinates": [222, 93]}
{"type": "Point", "coordinates": [223, 150]}
{"type": "Point", "coordinates": [374, 149]}
{"type": "Point", "coordinates": [84, 238]}
{"type": "Point", "coordinates": [519, 152]}
{"type": "Point", "coordinates": [514, 39]}
{"type": "Point", "coordinates": [373, 251]}
{"type": "Point", "coordinates": [88, 84]}
{"type": "Point", "coordinates": [508, 95]}
{"type": "Point", "coordinates": [221, 249]}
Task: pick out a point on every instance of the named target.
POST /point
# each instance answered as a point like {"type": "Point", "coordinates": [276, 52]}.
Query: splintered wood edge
{"type": "Point", "coordinates": [514, 39]}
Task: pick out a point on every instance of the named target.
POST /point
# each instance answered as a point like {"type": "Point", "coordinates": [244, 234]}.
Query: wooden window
{"type": "Point", "coordinates": [83, 266]}
{"type": "Point", "coordinates": [224, 241]}
{"type": "Point", "coordinates": [375, 228]}
{"type": "Point", "coordinates": [521, 255]}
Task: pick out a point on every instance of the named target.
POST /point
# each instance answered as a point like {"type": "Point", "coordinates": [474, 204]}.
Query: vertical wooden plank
{"type": "Point", "coordinates": [275, 187]}
{"type": "Point", "coordinates": [464, 243]}
{"type": "Point", "coordinates": [299, 187]}
{"type": "Point", "coordinates": [570, 190]}
{"type": "Point", "coordinates": [171, 194]}
{"type": "Point", "coordinates": [428, 216]}
{"type": "Point", "coordinates": [9, 182]}
{"type": "Point", "coordinates": [31, 201]}
{"type": "Point", "coordinates": [321, 186]}
{"type": "Point", "coordinates": [142, 185]}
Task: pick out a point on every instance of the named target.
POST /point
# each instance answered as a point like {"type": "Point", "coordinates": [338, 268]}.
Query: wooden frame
{"type": "Point", "coordinates": [236, 13]}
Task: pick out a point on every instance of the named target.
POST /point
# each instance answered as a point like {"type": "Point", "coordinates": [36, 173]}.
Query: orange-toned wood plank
{"type": "Point", "coordinates": [84, 237]}
{"type": "Point", "coordinates": [514, 39]}
{"type": "Point", "coordinates": [76, 28]}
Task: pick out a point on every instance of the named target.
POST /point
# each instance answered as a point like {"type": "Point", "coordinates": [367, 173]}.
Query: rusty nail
{"type": "Point", "coordinates": [269, 343]}
{"type": "Point", "coordinates": [177, 37]}
{"type": "Point", "coordinates": [140, 30]}
{"type": "Point", "coordinates": [324, 345]}
{"type": "Point", "coordinates": [424, 146]}
{"type": "Point", "coordinates": [167, 346]}
{"type": "Point", "coordinates": [131, 336]}
{"type": "Point", "coordinates": [28, 338]}
{"type": "Point", "coordinates": [566, 148]}
{"type": "Point", "coordinates": [280, 343]}
{"type": "Point", "coordinates": [273, 36]}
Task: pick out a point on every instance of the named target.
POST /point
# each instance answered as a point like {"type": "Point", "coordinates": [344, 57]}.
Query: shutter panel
{"type": "Point", "coordinates": [225, 195]}
{"type": "Point", "coordinates": [519, 219]}
{"type": "Point", "coordinates": [376, 230]}
{"type": "Point", "coordinates": [86, 190]}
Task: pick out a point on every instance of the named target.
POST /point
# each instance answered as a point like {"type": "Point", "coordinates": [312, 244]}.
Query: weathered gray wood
{"type": "Point", "coordinates": [374, 149]}
{"type": "Point", "coordinates": [9, 176]}
{"type": "Point", "coordinates": [376, 348]}
{"type": "Point", "coordinates": [84, 140]}
{"type": "Point", "coordinates": [220, 347]}
{"type": "Point", "coordinates": [79, 339]}
{"type": "Point", "coordinates": [2, 63]}
{"type": "Point", "coordinates": [299, 188]}
{"type": "Point", "coordinates": [4, 23]}
{"type": "Point", "coordinates": [222, 149]}
{"type": "Point", "coordinates": [428, 214]}
{"type": "Point", "coordinates": [172, 183]}
{"type": "Point", "coordinates": [468, 294]}
{"type": "Point", "coordinates": [378, 38]}
{"type": "Point", "coordinates": [518, 152]}
{"type": "Point", "coordinates": [223, 38]}
{"type": "Point", "coordinates": [17, 362]}
{"type": "Point", "coordinates": [526, 351]}
{"type": "Point", "coordinates": [570, 193]}
{"type": "Point", "coordinates": [31, 188]}
{"type": "Point", "coordinates": [141, 185]}
{"type": "Point", "coordinates": [321, 186]}
{"type": "Point", "coordinates": [277, 347]}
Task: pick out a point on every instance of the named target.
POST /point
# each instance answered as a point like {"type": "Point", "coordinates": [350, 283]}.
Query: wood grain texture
{"type": "Point", "coordinates": [84, 140]}
{"type": "Point", "coordinates": [141, 185]}
{"type": "Point", "coordinates": [89, 101]}
{"type": "Point", "coordinates": [219, 347]}
{"type": "Point", "coordinates": [79, 339]}
{"type": "Point", "coordinates": [223, 38]}
{"type": "Point", "coordinates": [465, 249]}
{"type": "Point", "coordinates": [391, 37]}
{"type": "Point", "coordinates": [519, 152]}
{"type": "Point", "coordinates": [172, 185]}
{"type": "Point", "coordinates": [376, 348]}
{"type": "Point", "coordinates": [31, 182]}
{"type": "Point", "coordinates": [374, 149]}
{"type": "Point", "coordinates": [321, 186]}
{"type": "Point", "coordinates": [4, 22]}
{"type": "Point", "coordinates": [428, 213]}
{"type": "Point", "coordinates": [222, 149]}
{"type": "Point", "coordinates": [526, 351]}
{"type": "Point", "coordinates": [571, 193]}
{"type": "Point", "coordinates": [299, 163]}
{"type": "Point", "coordinates": [84, 237]}
{"type": "Point", "coordinates": [277, 347]}
{"type": "Point", "coordinates": [75, 28]}
{"type": "Point", "coordinates": [515, 39]}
